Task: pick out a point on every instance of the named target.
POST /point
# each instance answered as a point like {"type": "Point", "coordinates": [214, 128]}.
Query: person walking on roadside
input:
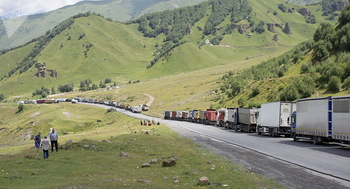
{"type": "Point", "coordinates": [45, 144]}
{"type": "Point", "coordinates": [54, 139]}
{"type": "Point", "coordinates": [37, 142]}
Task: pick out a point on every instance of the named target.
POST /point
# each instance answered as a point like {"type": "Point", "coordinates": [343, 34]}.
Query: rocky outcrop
{"type": "Point", "coordinates": [279, 25]}
{"type": "Point", "coordinates": [241, 28]}
{"type": "Point", "coordinates": [291, 10]}
{"type": "Point", "coordinates": [271, 27]}
{"type": "Point", "coordinates": [169, 162]}
{"type": "Point", "coordinates": [189, 29]}
{"type": "Point", "coordinates": [304, 12]}
{"type": "Point", "coordinates": [275, 38]}
{"type": "Point", "coordinates": [42, 70]}
{"type": "Point", "coordinates": [203, 181]}
{"type": "Point", "coordinates": [342, 5]}
{"type": "Point", "coordinates": [287, 29]}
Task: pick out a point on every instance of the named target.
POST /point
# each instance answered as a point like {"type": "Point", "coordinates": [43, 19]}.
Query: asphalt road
{"type": "Point", "coordinates": [293, 164]}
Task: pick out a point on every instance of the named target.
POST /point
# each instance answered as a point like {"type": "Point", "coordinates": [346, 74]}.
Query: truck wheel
{"type": "Point", "coordinates": [314, 140]}
{"type": "Point", "coordinates": [270, 132]}
{"type": "Point", "coordinates": [295, 137]}
{"type": "Point", "coordinates": [274, 134]}
{"type": "Point", "coordinates": [259, 133]}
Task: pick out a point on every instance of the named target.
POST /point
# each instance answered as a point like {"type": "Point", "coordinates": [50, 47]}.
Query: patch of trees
{"type": "Point", "coordinates": [310, 19]}
{"type": "Point", "coordinates": [164, 51]}
{"type": "Point", "coordinates": [329, 6]}
{"type": "Point", "coordinates": [282, 7]}
{"type": "Point", "coordinates": [2, 97]}
{"type": "Point", "coordinates": [233, 84]}
{"type": "Point", "coordinates": [177, 21]}
{"type": "Point", "coordinates": [239, 10]}
{"type": "Point", "coordinates": [330, 40]}
{"type": "Point", "coordinates": [259, 28]}
{"type": "Point", "coordinates": [43, 91]}
{"type": "Point", "coordinates": [66, 87]}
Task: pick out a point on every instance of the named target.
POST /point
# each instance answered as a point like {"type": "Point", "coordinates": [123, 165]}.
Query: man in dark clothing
{"type": "Point", "coordinates": [54, 139]}
{"type": "Point", "coordinates": [37, 142]}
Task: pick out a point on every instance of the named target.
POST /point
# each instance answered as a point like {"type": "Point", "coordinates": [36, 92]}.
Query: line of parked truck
{"type": "Point", "coordinates": [321, 119]}
{"type": "Point", "coordinates": [135, 109]}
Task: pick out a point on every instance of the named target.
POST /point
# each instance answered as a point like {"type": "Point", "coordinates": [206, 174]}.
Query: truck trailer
{"type": "Point", "coordinates": [275, 118]}
{"type": "Point", "coordinates": [246, 120]}
{"type": "Point", "coordinates": [210, 117]}
{"type": "Point", "coordinates": [323, 119]}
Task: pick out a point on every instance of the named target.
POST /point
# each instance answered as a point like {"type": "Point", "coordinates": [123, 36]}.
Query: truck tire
{"type": "Point", "coordinates": [227, 125]}
{"type": "Point", "coordinates": [270, 132]}
{"type": "Point", "coordinates": [314, 140]}
{"type": "Point", "coordinates": [295, 137]}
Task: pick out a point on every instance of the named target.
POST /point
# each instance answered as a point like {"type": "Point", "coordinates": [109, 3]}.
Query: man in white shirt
{"type": "Point", "coordinates": [54, 139]}
{"type": "Point", "coordinates": [45, 144]}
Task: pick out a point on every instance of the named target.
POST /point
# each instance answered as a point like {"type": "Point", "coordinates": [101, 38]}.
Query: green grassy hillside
{"type": "Point", "coordinates": [121, 52]}
{"type": "Point", "coordinates": [119, 10]}
{"type": "Point", "coordinates": [92, 159]}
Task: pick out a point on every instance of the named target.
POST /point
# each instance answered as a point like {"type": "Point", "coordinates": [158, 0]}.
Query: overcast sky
{"type": "Point", "coordinates": [16, 8]}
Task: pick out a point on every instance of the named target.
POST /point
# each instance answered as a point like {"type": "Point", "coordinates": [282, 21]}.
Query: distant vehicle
{"type": "Point", "coordinates": [74, 101]}
{"type": "Point", "coordinates": [136, 109]}
{"type": "Point", "coordinates": [62, 99]}
{"type": "Point", "coordinates": [20, 102]}
{"type": "Point", "coordinates": [78, 99]}
{"type": "Point", "coordinates": [30, 102]}
{"type": "Point", "coordinates": [144, 107]}
{"type": "Point", "coordinates": [49, 101]}
{"type": "Point", "coordinates": [167, 114]}
{"type": "Point", "coordinates": [40, 101]}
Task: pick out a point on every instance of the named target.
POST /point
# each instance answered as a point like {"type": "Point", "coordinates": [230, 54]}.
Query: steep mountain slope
{"type": "Point", "coordinates": [318, 67]}
{"type": "Point", "coordinates": [120, 10]}
{"type": "Point", "coordinates": [91, 47]}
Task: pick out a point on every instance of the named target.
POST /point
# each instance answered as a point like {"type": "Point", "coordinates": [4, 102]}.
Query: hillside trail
{"type": "Point", "coordinates": [151, 99]}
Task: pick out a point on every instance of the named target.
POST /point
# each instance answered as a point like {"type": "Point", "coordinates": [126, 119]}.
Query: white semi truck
{"type": "Point", "coordinates": [323, 119]}
{"type": "Point", "coordinates": [275, 118]}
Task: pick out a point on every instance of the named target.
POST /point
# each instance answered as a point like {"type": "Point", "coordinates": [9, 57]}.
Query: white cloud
{"type": "Point", "coordinates": [23, 8]}
{"type": "Point", "coordinates": [20, 7]}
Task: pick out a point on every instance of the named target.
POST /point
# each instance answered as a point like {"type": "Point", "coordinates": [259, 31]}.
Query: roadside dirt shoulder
{"type": "Point", "coordinates": [288, 175]}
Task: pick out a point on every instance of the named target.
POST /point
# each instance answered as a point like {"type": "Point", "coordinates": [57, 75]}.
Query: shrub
{"type": "Point", "coordinates": [255, 91]}
{"type": "Point", "coordinates": [20, 108]}
{"type": "Point", "coordinates": [334, 84]}
{"type": "Point", "coordinates": [111, 110]}
{"type": "Point", "coordinates": [346, 83]}
{"type": "Point", "coordinates": [108, 80]}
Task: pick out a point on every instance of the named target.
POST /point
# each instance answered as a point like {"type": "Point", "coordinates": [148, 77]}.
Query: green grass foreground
{"type": "Point", "coordinates": [88, 162]}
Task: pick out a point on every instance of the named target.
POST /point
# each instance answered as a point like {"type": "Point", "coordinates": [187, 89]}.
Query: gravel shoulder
{"type": "Point", "coordinates": [288, 175]}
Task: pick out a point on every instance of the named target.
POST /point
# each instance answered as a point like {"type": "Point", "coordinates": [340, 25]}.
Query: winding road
{"type": "Point", "coordinates": [293, 164]}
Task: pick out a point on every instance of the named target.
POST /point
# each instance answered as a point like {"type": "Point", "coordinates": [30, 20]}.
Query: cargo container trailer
{"type": "Point", "coordinates": [323, 119]}
{"type": "Point", "coordinates": [275, 118]}
{"type": "Point", "coordinates": [246, 120]}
